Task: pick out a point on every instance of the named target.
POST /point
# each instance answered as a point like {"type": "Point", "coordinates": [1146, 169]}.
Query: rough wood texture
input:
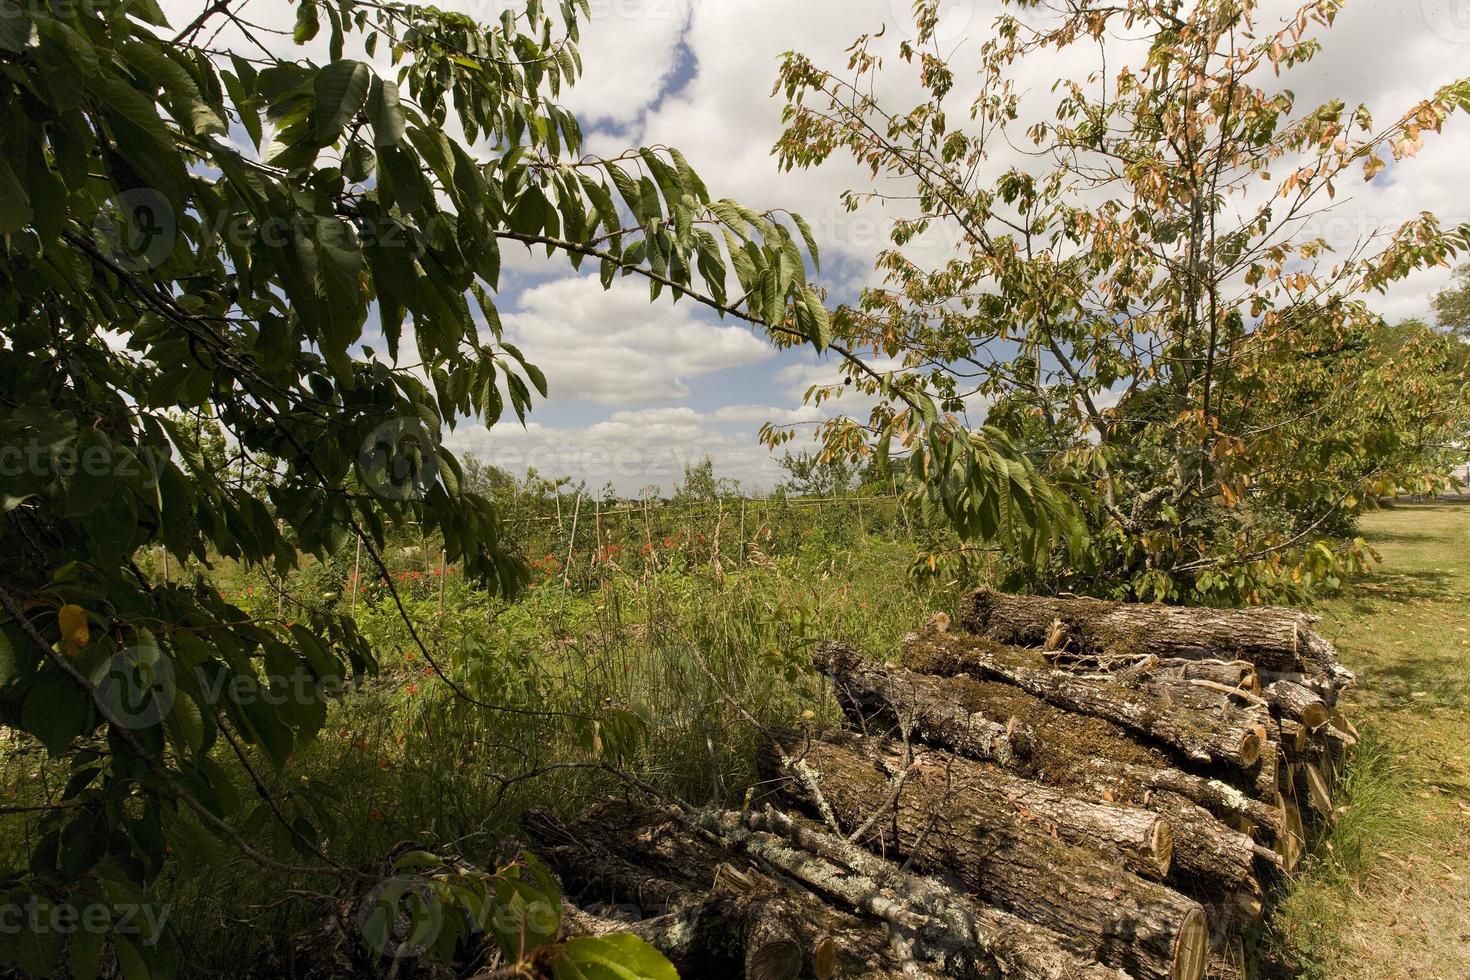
{"type": "Point", "coordinates": [936, 915]}
{"type": "Point", "coordinates": [617, 857]}
{"type": "Point", "coordinates": [1061, 749]}
{"type": "Point", "coordinates": [1275, 640]}
{"type": "Point", "coordinates": [923, 705]}
{"type": "Point", "coordinates": [1235, 673]}
{"type": "Point", "coordinates": [1207, 852]}
{"type": "Point", "coordinates": [1140, 926]}
{"type": "Point", "coordinates": [1141, 839]}
{"type": "Point", "coordinates": [1301, 705]}
{"type": "Point", "coordinates": [1200, 722]}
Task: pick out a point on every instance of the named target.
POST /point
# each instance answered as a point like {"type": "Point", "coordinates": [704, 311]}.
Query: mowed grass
{"type": "Point", "coordinates": [1386, 893]}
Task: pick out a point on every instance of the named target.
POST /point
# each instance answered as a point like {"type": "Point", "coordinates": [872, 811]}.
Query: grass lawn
{"type": "Point", "coordinates": [1387, 891]}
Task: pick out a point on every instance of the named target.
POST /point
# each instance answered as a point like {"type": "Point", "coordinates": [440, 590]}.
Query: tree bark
{"type": "Point", "coordinates": [1198, 721]}
{"type": "Point", "coordinates": [1274, 639]}
{"type": "Point", "coordinates": [939, 823]}
{"type": "Point", "coordinates": [1301, 705]}
{"type": "Point", "coordinates": [1206, 851]}
{"type": "Point", "coordinates": [1236, 673]}
{"type": "Point", "coordinates": [655, 878]}
{"type": "Point", "coordinates": [966, 938]}
{"type": "Point", "coordinates": [942, 712]}
{"type": "Point", "coordinates": [922, 704]}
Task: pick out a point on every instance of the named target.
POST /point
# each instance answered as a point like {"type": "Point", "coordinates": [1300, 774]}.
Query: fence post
{"type": "Point", "coordinates": [356, 575]}
{"type": "Point", "coordinates": [566, 571]}
{"type": "Point", "coordinates": [742, 529]}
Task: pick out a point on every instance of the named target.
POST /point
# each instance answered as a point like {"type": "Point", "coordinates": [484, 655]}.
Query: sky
{"type": "Point", "coordinates": [639, 390]}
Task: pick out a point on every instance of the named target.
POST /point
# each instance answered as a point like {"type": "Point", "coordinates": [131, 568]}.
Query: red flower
{"type": "Point", "coordinates": [412, 689]}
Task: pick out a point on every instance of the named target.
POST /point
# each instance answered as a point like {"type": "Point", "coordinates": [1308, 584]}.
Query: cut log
{"type": "Point", "coordinates": [1139, 926]}
{"type": "Point", "coordinates": [937, 915]}
{"type": "Point", "coordinates": [922, 704]}
{"type": "Point", "coordinates": [1318, 792]}
{"type": "Point", "coordinates": [1275, 640]}
{"type": "Point", "coordinates": [943, 712]}
{"type": "Point", "coordinates": [724, 921]}
{"type": "Point", "coordinates": [1198, 721]}
{"type": "Point", "coordinates": [1292, 735]}
{"type": "Point", "coordinates": [1141, 839]}
{"type": "Point", "coordinates": [1235, 673]}
{"type": "Point", "coordinates": [1267, 778]}
{"type": "Point", "coordinates": [1296, 702]}
{"type": "Point", "coordinates": [1292, 842]}
{"type": "Point", "coordinates": [1206, 852]}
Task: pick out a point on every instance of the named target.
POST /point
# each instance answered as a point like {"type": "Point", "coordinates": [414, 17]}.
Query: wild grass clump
{"type": "Point", "coordinates": [693, 661]}
{"type": "Point", "coordinates": [1375, 815]}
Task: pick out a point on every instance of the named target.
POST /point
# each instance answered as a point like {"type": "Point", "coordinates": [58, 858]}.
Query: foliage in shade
{"type": "Point", "coordinates": [304, 254]}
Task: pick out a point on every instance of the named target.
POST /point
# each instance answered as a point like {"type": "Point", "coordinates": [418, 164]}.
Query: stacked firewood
{"type": "Point", "coordinates": [1057, 788]}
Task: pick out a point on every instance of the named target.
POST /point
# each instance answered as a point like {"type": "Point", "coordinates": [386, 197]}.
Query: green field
{"type": "Point", "coordinates": [1387, 893]}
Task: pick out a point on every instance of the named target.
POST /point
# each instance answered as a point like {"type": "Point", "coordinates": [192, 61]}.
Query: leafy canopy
{"type": "Point", "coordinates": [303, 256]}
{"type": "Point", "coordinates": [1141, 300]}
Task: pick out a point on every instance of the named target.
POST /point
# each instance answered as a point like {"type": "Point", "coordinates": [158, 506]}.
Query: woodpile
{"type": "Point", "coordinates": [1060, 788]}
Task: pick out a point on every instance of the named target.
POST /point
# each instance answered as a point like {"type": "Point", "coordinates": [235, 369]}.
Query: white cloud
{"type": "Point", "coordinates": [629, 51]}
{"type": "Point", "coordinates": [630, 449]}
{"type": "Point", "coordinates": [617, 348]}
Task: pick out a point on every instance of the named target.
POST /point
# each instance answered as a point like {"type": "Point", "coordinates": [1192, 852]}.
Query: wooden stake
{"type": "Point", "coordinates": [742, 529]}
{"type": "Point", "coordinates": [356, 576]}
{"type": "Point", "coordinates": [566, 570]}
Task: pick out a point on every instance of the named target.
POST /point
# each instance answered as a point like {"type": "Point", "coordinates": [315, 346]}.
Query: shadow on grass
{"type": "Point", "coordinates": [1376, 595]}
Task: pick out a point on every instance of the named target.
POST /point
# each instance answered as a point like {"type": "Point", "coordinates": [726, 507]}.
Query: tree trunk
{"type": "Point", "coordinates": [946, 825]}
{"type": "Point", "coordinates": [1235, 673]}
{"type": "Point", "coordinates": [941, 925]}
{"type": "Point", "coordinates": [1197, 720]}
{"type": "Point", "coordinates": [1206, 851]}
{"type": "Point", "coordinates": [1275, 640]}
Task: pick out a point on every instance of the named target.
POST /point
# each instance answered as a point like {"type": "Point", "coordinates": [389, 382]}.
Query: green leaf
{"type": "Point", "coordinates": [84, 949]}
{"type": "Point", "coordinates": [386, 113]}
{"type": "Point", "coordinates": [56, 710]}
{"type": "Point", "coordinates": [341, 89]}
{"type": "Point", "coordinates": [15, 203]}
{"type": "Point", "coordinates": [621, 956]}
{"type": "Point", "coordinates": [307, 22]}
{"type": "Point", "coordinates": [810, 239]}
{"type": "Point", "coordinates": [142, 138]}
{"type": "Point", "coordinates": [17, 30]}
